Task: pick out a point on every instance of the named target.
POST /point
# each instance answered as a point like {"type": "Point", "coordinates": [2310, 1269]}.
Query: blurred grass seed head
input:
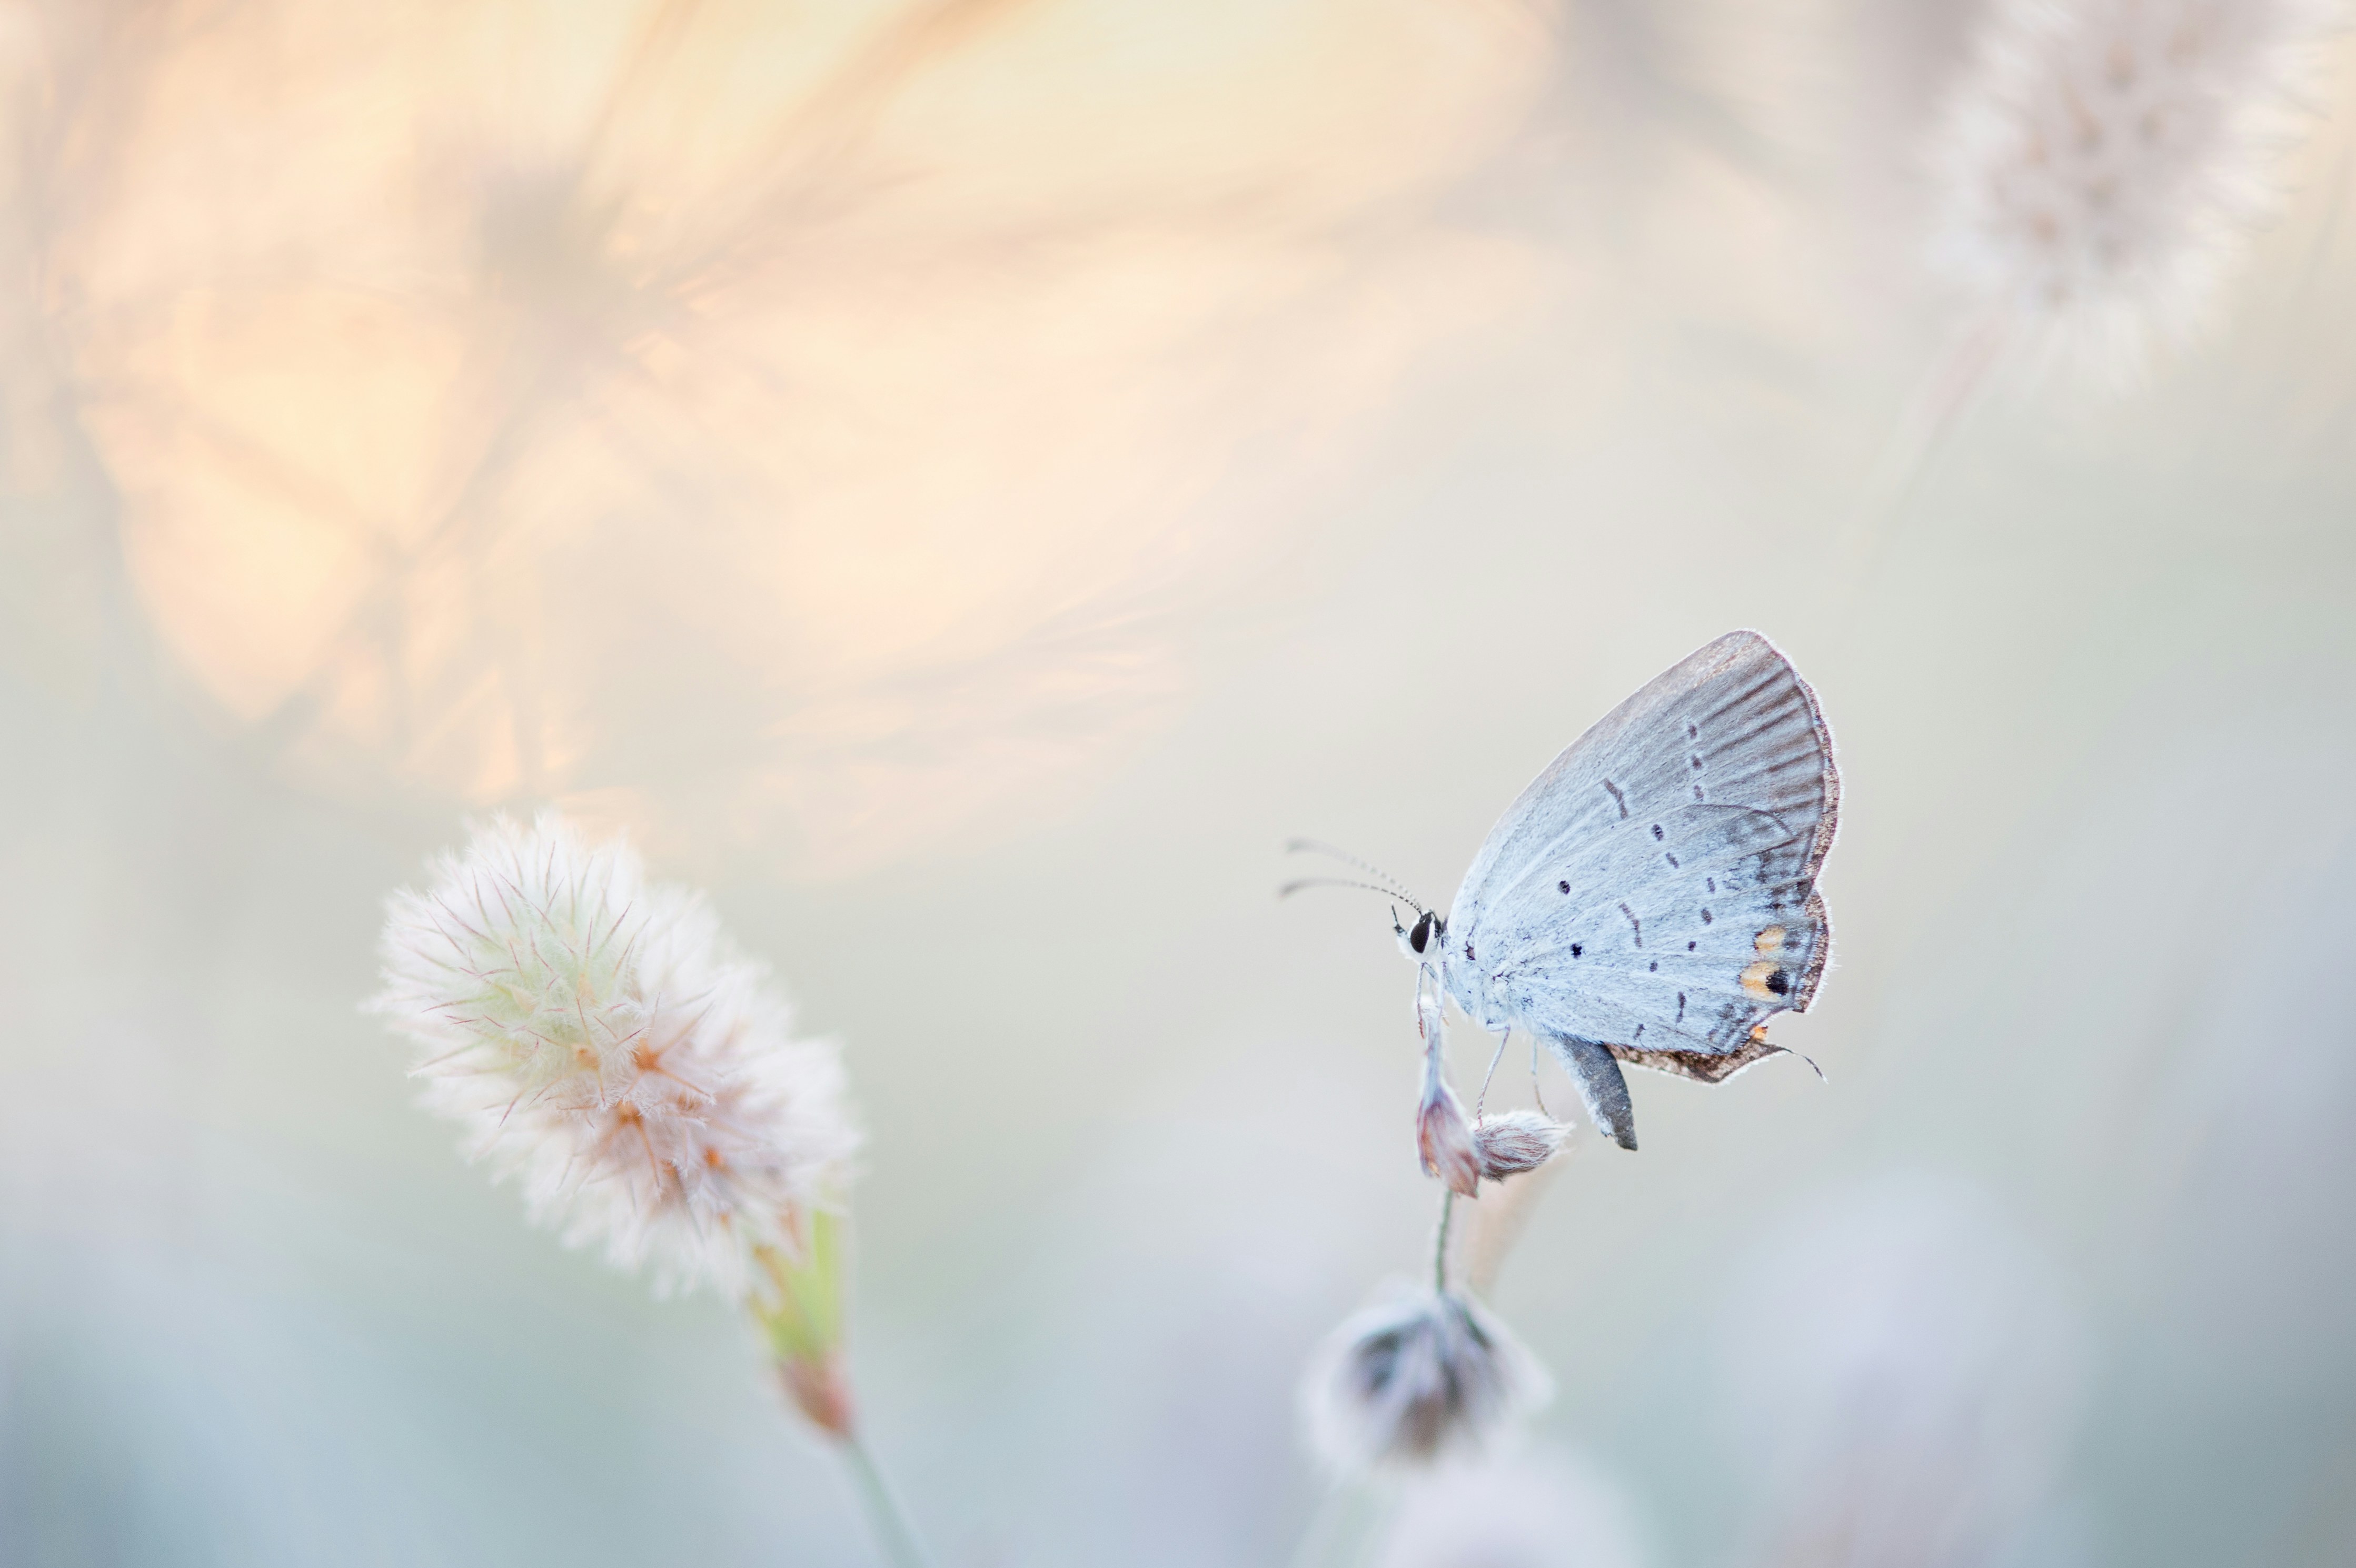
{"type": "Point", "coordinates": [603, 1042]}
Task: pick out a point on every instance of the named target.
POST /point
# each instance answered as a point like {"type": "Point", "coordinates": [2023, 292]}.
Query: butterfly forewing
{"type": "Point", "coordinates": [1654, 889]}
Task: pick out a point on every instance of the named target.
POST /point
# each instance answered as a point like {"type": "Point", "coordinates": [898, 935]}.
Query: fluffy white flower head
{"type": "Point", "coordinates": [1417, 1378]}
{"type": "Point", "coordinates": [2102, 161]}
{"type": "Point", "coordinates": [600, 1038]}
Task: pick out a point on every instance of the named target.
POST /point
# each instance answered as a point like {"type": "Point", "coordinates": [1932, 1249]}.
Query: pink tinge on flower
{"type": "Point", "coordinates": [819, 1390]}
{"type": "Point", "coordinates": [1444, 1139]}
{"type": "Point", "coordinates": [1514, 1142]}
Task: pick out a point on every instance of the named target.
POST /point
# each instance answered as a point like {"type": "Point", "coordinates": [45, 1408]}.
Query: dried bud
{"type": "Point", "coordinates": [820, 1391]}
{"type": "Point", "coordinates": [1512, 1141]}
{"type": "Point", "coordinates": [1444, 1138]}
{"type": "Point", "coordinates": [1415, 1379]}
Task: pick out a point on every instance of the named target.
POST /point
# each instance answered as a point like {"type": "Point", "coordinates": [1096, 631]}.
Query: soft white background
{"type": "Point", "coordinates": [1382, 392]}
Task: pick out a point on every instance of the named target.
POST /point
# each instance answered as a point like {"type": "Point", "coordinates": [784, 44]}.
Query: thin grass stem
{"type": "Point", "coordinates": [1346, 1529]}
{"type": "Point", "coordinates": [893, 1534]}
{"type": "Point", "coordinates": [1439, 1246]}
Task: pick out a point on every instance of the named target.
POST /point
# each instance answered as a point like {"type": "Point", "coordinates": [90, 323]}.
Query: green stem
{"type": "Point", "coordinates": [1439, 1247]}
{"type": "Point", "coordinates": [892, 1532]}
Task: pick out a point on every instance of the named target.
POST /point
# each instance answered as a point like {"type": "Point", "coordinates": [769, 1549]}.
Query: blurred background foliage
{"type": "Point", "coordinates": [966, 481]}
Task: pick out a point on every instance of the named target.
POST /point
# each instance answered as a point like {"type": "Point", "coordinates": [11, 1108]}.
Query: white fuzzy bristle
{"type": "Point", "coordinates": [1418, 1377]}
{"type": "Point", "coordinates": [600, 1038]}
{"type": "Point", "coordinates": [2103, 164]}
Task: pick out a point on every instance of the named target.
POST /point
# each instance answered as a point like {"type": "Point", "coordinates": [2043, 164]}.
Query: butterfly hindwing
{"type": "Point", "coordinates": [1683, 941]}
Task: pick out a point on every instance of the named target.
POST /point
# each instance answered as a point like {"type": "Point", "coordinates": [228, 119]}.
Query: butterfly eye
{"type": "Point", "coordinates": [1420, 937]}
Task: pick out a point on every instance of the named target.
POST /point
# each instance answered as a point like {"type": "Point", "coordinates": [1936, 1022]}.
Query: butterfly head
{"type": "Point", "coordinates": [1423, 941]}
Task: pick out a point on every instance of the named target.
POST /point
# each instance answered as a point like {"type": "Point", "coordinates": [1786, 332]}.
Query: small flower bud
{"type": "Point", "coordinates": [820, 1391]}
{"type": "Point", "coordinates": [1444, 1139]}
{"type": "Point", "coordinates": [1512, 1141]}
{"type": "Point", "coordinates": [1417, 1379]}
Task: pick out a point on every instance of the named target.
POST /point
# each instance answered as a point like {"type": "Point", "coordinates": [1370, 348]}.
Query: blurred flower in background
{"type": "Point", "coordinates": [2104, 162]}
{"type": "Point", "coordinates": [599, 1038]}
{"type": "Point", "coordinates": [1417, 1377]}
{"type": "Point", "coordinates": [476, 376]}
{"type": "Point", "coordinates": [1022, 462]}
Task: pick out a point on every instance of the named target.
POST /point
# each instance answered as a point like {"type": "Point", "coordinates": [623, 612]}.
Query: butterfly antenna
{"type": "Point", "coordinates": [1318, 847]}
{"type": "Point", "coordinates": [1290, 888]}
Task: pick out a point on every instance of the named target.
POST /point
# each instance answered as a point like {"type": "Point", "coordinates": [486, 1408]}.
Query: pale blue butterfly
{"type": "Point", "coordinates": [1651, 897]}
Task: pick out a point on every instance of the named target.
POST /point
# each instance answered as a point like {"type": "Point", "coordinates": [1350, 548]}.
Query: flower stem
{"type": "Point", "coordinates": [894, 1533]}
{"type": "Point", "coordinates": [1439, 1246]}
{"type": "Point", "coordinates": [1346, 1527]}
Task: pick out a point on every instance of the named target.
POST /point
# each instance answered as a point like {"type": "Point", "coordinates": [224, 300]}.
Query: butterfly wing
{"type": "Point", "coordinates": [1653, 890]}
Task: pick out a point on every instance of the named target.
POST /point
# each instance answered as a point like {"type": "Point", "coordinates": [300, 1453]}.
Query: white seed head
{"type": "Point", "coordinates": [1512, 1141]}
{"type": "Point", "coordinates": [601, 1038]}
{"type": "Point", "coordinates": [1415, 1378]}
{"type": "Point", "coordinates": [2102, 163]}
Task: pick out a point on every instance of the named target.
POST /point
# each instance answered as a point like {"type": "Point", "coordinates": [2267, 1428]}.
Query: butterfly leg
{"type": "Point", "coordinates": [1597, 1074]}
{"type": "Point", "coordinates": [1488, 1077]}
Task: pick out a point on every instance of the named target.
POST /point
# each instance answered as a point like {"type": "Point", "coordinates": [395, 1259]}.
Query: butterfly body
{"type": "Point", "coordinates": [1651, 897]}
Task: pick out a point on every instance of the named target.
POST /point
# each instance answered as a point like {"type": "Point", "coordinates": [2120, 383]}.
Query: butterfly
{"type": "Point", "coordinates": [1650, 899]}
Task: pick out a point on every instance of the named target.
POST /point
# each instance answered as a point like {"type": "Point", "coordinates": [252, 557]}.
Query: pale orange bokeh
{"type": "Point", "coordinates": [799, 425]}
